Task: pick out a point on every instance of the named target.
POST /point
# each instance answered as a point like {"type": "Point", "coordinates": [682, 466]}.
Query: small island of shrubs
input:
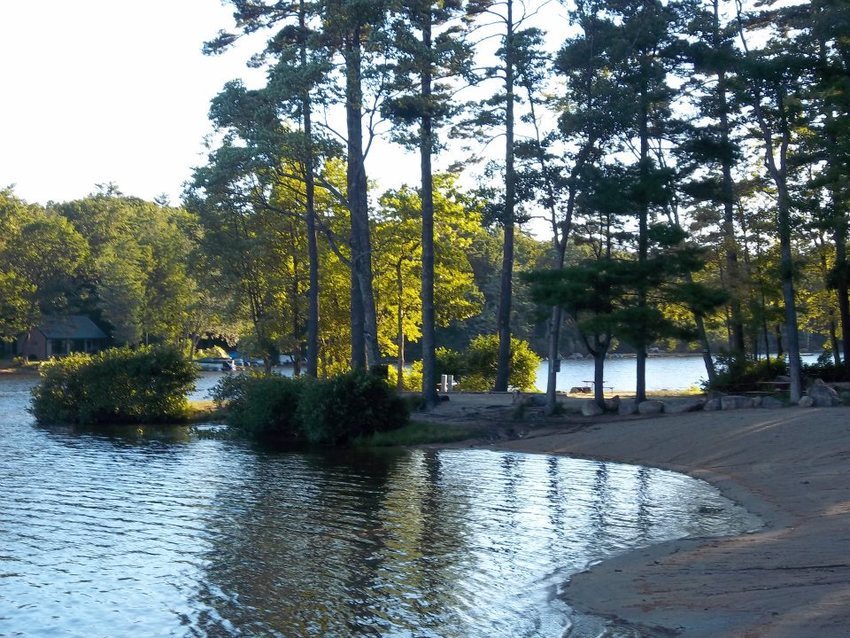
{"type": "Point", "coordinates": [277, 410]}
{"type": "Point", "coordinates": [150, 385]}
{"type": "Point", "coordinates": [115, 386]}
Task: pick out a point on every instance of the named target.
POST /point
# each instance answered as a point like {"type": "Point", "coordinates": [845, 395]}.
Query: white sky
{"type": "Point", "coordinates": [106, 90]}
{"type": "Point", "coordinates": [97, 91]}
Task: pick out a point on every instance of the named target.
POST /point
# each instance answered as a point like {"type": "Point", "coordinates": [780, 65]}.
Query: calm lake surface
{"type": "Point", "coordinates": [141, 532]}
{"type": "Point", "coordinates": [662, 373]}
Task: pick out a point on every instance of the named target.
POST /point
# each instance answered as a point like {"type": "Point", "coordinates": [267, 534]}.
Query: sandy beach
{"type": "Point", "coordinates": [790, 466]}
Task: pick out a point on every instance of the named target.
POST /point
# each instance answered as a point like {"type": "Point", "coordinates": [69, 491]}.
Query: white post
{"type": "Point", "coordinates": [444, 383]}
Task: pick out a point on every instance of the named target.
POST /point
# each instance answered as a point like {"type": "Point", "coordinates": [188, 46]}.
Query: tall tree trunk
{"type": "Point", "coordinates": [792, 342]}
{"type": "Point", "coordinates": [503, 319]}
{"type": "Point", "coordinates": [643, 243]}
{"type": "Point", "coordinates": [400, 325]}
{"type": "Point", "coordinates": [776, 162]}
{"type": "Point", "coordinates": [358, 203]}
{"type": "Point", "coordinates": [736, 340]}
{"type": "Point", "coordinates": [310, 196]}
{"type": "Point", "coordinates": [599, 376]}
{"type": "Point", "coordinates": [736, 327]}
{"type": "Point", "coordinates": [426, 145]}
{"type": "Point", "coordinates": [842, 283]}
{"type": "Point", "coordinates": [358, 344]}
{"type": "Point", "coordinates": [296, 310]}
{"type": "Point", "coordinates": [707, 359]}
{"type": "Point", "coordinates": [841, 269]}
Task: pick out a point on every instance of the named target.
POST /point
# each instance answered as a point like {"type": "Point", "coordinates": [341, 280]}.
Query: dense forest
{"type": "Point", "coordinates": [683, 165]}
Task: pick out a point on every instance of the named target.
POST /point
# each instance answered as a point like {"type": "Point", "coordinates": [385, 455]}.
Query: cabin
{"type": "Point", "coordinates": [60, 336]}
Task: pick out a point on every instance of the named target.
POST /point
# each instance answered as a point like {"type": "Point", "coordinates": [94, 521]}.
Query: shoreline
{"type": "Point", "coordinates": [788, 466]}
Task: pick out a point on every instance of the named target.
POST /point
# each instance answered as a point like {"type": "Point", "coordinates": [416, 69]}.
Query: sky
{"type": "Point", "coordinates": [100, 91]}
{"type": "Point", "coordinates": [106, 90]}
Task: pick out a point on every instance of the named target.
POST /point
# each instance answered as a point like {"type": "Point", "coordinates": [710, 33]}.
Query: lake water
{"type": "Point", "coordinates": [662, 373]}
{"type": "Point", "coordinates": [141, 532]}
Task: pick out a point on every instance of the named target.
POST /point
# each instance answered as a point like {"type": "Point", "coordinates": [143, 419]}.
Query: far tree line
{"type": "Point", "coordinates": [690, 159]}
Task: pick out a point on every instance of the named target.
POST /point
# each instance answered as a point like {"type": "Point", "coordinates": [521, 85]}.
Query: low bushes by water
{"type": "Point", "coordinates": [276, 409]}
{"type": "Point", "coordinates": [739, 374]}
{"type": "Point", "coordinates": [119, 385]}
{"type": "Point", "coordinates": [261, 407]}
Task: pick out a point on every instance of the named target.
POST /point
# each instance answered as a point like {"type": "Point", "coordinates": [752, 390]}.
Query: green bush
{"type": "Point", "coordinates": [825, 370]}
{"type": "Point", "coordinates": [738, 374]}
{"type": "Point", "coordinates": [349, 406]}
{"type": "Point", "coordinates": [119, 385]}
{"type": "Point", "coordinates": [261, 407]}
{"type": "Point", "coordinates": [449, 362]}
{"type": "Point", "coordinates": [276, 409]}
{"type": "Point", "coordinates": [481, 361]}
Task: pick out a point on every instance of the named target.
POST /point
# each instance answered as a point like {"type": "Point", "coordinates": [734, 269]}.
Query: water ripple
{"type": "Point", "coordinates": [105, 534]}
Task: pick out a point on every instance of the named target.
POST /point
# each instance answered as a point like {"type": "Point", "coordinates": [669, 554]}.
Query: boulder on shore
{"type": "Point", "coordinates": [627, 407]}
{"type": "Point", "coordinates": [822, 395]}
{"type": "Point", "coordinates": [651, 407]}
{"type": "Point", "coordinates": [612, 404]}
{"type": "Point", "coordinates": [590, 408]}
{"type": "Point", "coordinates": [805, 401]}
{"type": "Point", "coordinates": [735, 402]}
{"type": "Point", "coordinates": [712, 405]}
{"type": "Point", "coordinates": [677, 406]}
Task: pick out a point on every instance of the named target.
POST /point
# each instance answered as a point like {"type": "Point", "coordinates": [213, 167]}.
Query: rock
{"type": "Point", "coordinates": [651, 407]}
{"type": "Point", "coordinates": [735, 402]}
{"type": "Point", "coordinates": [683, 405]}
{"type": "Point", "coordinates": [822, 395]}
{"type": "Point", "coordinates": [612, 404]}
{"type": "Point", "coordinates": [627, 407]}
{"type": "Point", "coordinates": [712, 404]}
{"type": "Point", "coordinates": [590, 408]}
{"type": "Point", "coordinates": [771, 403]}
{"type": "Point", "coordinates": [805, 401]}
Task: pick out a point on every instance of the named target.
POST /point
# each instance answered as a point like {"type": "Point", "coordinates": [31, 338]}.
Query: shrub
{"type": "Point", "coordinates": [411, 380]}
{"type": "Point", "coordinates": [348, 406]}
{"type": "Point", "coordinates": [261, 407]}
{"type": "Point", "coordinates": [449, 362]}
{"type": "Point", "coordinates": [738, 374]}
{"type": "Point", "coordinates": [119, 385]}
{"type": "Point", "coordinates": [826, 370]}
{"type": "Point", "coordinates": [481, 360]}
{"type": "Point", "coordinates": [275, 409]}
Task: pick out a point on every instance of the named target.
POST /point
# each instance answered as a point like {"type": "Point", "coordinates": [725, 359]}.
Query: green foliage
{"type": "Point", "coordinates": [826, 370]}
{"type": "Point", "coordinates": [275, 409]}
{"type": "Point", "coordinates": [261, 407]}
{"type": "Point", "coordinates": [738, 374]}
{"type": "Point", "coordinates": [481, 359]}
{"type": "Point", "coordinates": [348, 406]}
{"type": "Point", "coordinates": [450, 362]}
{"type": "Point", "coordinates": [411, 379]}
{"type": "Point", "coordinates": [214, 352]}
{"type": "Point", "coordinates": [120, 385]}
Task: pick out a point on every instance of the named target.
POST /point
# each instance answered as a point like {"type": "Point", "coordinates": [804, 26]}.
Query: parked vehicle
{"type": "Point", "coordinates": [216, 364]}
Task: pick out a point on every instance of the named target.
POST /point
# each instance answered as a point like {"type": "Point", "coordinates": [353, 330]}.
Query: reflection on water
{"type": "Point", "coordinates": [158, 535]}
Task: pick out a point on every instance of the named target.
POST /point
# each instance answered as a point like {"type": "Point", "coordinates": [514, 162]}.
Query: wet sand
{"type": "Point", "coordinates": [790, 466]}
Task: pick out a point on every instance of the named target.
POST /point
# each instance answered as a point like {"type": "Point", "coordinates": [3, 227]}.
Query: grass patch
{"type": "Point", "coordinates": [420, 433]}
{"type": "Point", "coordinates": [206, 411]}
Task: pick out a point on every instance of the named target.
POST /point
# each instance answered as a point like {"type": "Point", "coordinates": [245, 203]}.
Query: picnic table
{"type": "Point", "coordinates": [592, 383]}
{"type": "Point", "coordinates": [775, 386]}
